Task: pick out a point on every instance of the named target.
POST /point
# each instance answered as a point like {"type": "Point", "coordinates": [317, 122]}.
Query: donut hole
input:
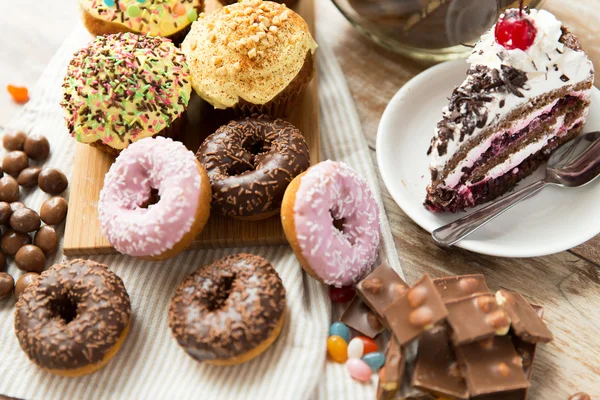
{"type": "Point", "coordinates": [64, 309]}
{"type": "Point", "coordinates": [224, 288]}
{"type": "Point", "coordinates": [340, 225]}
{"type": "Point", "coordinates": [239, 168]}
{"type": "Point", "coordinates": [152, 199]}
{"type": "Point", "coordinates": [254, 146]}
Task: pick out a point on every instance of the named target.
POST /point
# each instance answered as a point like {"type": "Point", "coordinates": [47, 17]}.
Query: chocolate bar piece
{"type": "Point", "coordinates": [436, 370]}
{"type": "Point", "coordinates": [510, 395]}
{"type": "Point", "coordinates": [526, 323]}
{"type": "Point", "coordinates": [380, 288]}
{"type": "Point", "coordinates": [360, 318]}
{"type": "Point", "coordinates": [419, 309]}
{"type": "Point", "coordinates": [453, 288]}
{"type": "Point", "coordinates": [476, 318]}
{"type": "Point", "coordinates": [491, 366]}
{"type": "Point", "coordinates": [390, 375]}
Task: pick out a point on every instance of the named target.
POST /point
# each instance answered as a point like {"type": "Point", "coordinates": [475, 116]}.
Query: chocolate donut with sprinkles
{"type": "Point", "coordinates": [73, 319]}
{"type": "Point", "coordinates": [125, 87]}
{"type": "Point", "coordinates": [230, 311]}
{"type": "Point", "coordinates": [331, 219]}
{"type": "Point", "coordinates": [155, 199]}
{"type": "Point", "coordinates": [168, 18]}
{"type": "Point", "coordinates": [250, 162]}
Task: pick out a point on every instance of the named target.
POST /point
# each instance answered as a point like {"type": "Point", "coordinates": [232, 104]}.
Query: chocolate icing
{"type": "Point", "coordinates": [72, 315]}
{"type": "Point", "coordinates": [250, 163]}
{"type": "Point", "coordinates": [227, 308]}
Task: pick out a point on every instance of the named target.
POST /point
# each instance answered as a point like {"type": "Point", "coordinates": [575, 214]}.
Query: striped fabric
{"type": "Point", "coordinates": [150, 364]}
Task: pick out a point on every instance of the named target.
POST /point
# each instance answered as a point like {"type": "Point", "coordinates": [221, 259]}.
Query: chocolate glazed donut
{"type": "Point", "coordinates": [230, 311]}
{"type": "Point", "coordinates": [73, 319]}
{"type": "Point", "coordinates": [250, 163]}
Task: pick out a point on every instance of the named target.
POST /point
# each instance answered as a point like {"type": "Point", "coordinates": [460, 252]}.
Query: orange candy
{"type": "Point", "coordinates": [19, 94]}
{"type": "Point", "coordinates": [337, 348]}
{"type": "Point", "coordinates": [369, 344]}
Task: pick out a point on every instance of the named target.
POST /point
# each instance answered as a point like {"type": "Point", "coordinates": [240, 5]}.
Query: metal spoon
{"type": "Point", "coordinates": [575, 163]}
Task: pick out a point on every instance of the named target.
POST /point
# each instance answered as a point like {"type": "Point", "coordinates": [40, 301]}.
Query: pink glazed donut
{"type": "Point", "coordinates": [155, 199]}
{"type": "Point", "coordinates": [331, 220]}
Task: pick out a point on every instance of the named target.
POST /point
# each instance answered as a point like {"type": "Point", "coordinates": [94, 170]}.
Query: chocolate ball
{"type": "Point", "coordinates": [17, 205]}
{"type": "Point", "coordinates": [30, 258]}
{"type": "Point", "coordinates": [24, 281]}
{"type": "Point", "coordinates": [37, 147]}
{"type": "Point", "coordinates": [5, 212]}
{"type": "Point", "coordinates": [14, 140]}
{"type": "Point", "coordinates": [2, 262]}
{"type": "Point", "coordinates": [52, 181]}
{"type": "Point", "coordinates": [25, 220]}
{"type": "Point", "coordinates": [7, 284]}
{"type": "Point", "coordinates": [46, 239]}
{"type": "Point", "coordinates": [9, 189]}
{"type": "Point", "coordinates": [12, 241]}
{"type": "Point", "coordinates": [15, 162]}
{"type": "Point", "coordinates": [54, 210]}
{"type": "Point", "coordinates": [29, 176]}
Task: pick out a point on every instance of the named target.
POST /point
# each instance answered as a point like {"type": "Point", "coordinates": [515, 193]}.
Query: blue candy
{"type": "Point", "coordinates": [109, 3]}
{"type": "Point", "coordinates": [374, 360]}
{"type": "Point", "coordinates": [341, 330]}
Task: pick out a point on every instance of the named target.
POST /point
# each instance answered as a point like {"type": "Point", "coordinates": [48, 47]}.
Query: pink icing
{"type": "Point", "coordinates": [332, 190]}
{"type": "Point", "coordinates": [158, 163]}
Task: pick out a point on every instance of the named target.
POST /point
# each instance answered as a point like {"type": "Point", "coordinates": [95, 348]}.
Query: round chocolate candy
{"type": "Point", "coordinates": [7, 283]}
{"type": "Point", "coordinates": [46, 239]}
{"type": "Point", "coordinates": [29, 176]}
{"type": "Point", "coordinates": [24, 281]}
{"type": "Point", "coordinates": [9, 189]}
{"type": "Point", "coordinates": [52, 181]}
{"type": "Point", "coordinates": [15, 162]}
{"type": "Point", "coordinates": [12, 241]}
{"type": "Point", "coordinates": [37, 147]}
{"type": "Point", "coordinates": [30, 258]}
{"type": "Point", "coordinates": [54, 210]}
{"type": "Point", "coordinates": [17, 205]}
{"type": "Point", "coordinates": [5, 212]}
{"type": "Point", "coordinates": [14, 140]}
{"type": "Point", "coordinates": [25, 220]}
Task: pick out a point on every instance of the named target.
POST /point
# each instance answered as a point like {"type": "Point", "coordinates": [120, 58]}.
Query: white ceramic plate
{"type": "Point", "coordinates": [554, 220]}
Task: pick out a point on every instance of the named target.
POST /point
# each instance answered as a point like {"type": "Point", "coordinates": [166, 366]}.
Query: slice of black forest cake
{"type": "Point", "coordinates": [527, 91]}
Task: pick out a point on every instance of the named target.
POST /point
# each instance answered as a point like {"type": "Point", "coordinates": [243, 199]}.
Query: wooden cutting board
{"type": "Point", "coordinates": [82, 231]}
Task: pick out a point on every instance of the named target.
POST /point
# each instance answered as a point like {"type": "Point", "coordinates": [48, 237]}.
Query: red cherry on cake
{"type": "Point", "coordinates": [514, 31]}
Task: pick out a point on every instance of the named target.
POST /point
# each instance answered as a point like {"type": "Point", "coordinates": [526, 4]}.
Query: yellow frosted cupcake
{"type": "Point", "coordinates": [125, 87]}
{"type": "Point", "coordinates": [167, 18]}
{"type": "Point", "coordinates": [253, 57]}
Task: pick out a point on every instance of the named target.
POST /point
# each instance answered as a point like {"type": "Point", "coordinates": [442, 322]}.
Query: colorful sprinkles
{"type": "Point", "coordinates": [146, 16]}
{"type": "Point", "coordinates": [124, 87]}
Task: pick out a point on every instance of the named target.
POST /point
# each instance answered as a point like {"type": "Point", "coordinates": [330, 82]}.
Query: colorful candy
{"type": "Point", "coordinates": [374, 360]}
{"type": "Point", "coordinates": [341, 295]}
{"type": "Point", "coordinates": [369, 344]}
{"type": "Point", "coordinates": [337, 348]}
{"type": "Point", "coordinates": [361, 345]}
{"type": "Point", "coordinates": [18, 93]}
{"type": "Point", "coordinates": [340, 329]}
{"type": "Point", "coordinates": [359, 369]}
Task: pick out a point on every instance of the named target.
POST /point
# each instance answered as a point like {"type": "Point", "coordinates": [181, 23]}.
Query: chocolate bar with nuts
{"type": "Point", "coordinates": [476, 318]}
{"type": "Point", "coordinates": [359, 317]}
{"type": "Point", "coordinates": [436, 369]}
{"type": "Point", "coordinates": [390, 375]}
{"type": "Point", "coordinates": [454, 288]}
{"type": "Point", "coordinates": [380, 288]}
{"type": "Point", "coordinates": [525, 321]}
{"type": "Point", "coordinates": [419, 309]}
{"type": "Point", "coordinates": [491, 366]}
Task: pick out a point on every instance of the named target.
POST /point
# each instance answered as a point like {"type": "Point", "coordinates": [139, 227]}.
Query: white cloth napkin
{"type": "Point", "coordinates": [150, 364]}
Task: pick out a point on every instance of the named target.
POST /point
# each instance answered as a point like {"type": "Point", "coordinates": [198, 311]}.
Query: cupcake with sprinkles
{"type": "Point", "coordinates": [251, 57]}
{"type": "Point", "coordinates": [167, 18]}
{"type": "Point", "coordinates": [125, 87]}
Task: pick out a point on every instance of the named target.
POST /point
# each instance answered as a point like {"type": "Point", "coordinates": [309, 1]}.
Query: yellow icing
{"type": "Point", "coordinates": [124, 87]}
{"type": "Point", "coordinates": [250, 50]}
{"type": "Point", "coordinates": [154, 17]}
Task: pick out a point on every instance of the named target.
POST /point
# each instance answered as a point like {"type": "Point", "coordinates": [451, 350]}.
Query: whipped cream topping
{"type": "Point", "coordinates": [548, 65]}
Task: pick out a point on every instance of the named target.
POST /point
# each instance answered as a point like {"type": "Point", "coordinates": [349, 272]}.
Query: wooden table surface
{"type": "Point", "coordinates": [567, 283]}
